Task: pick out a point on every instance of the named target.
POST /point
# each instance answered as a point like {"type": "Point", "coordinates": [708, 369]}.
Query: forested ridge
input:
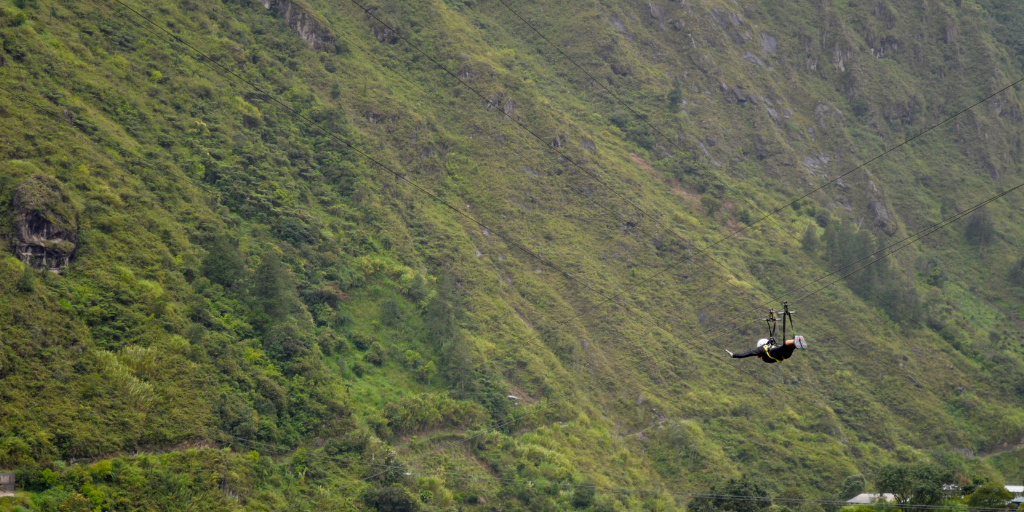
{"type": "Point", "coordinates": [488, 254]}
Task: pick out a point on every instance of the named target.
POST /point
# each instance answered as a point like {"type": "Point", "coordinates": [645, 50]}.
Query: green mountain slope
{"type": "Point", "coordinates": [328, 255]}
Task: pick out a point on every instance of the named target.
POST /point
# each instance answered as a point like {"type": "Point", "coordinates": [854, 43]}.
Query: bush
{"type": "Point", "coordinates": [390, 499]}
{"type": "Point", "coordinates": [376, 355]}
{"type": "Point", "coordinates": [223, 264]}
{"type": "Point", "coordinates": [583, 496]}
{"type": "Point", "coordinates": [1017, 273]}
{"type": "Point", "coordinates": [741, 487]}
{"type": "Point", "coordinates": [390, 313]}
{"type": "Point", "coordinates": [918, 484]}
{"type": "Point", "coordinates": [27, 281]}
{"type": "Point", "coordinates": [980, 229]}
{"type": "Point", "coordinates": [990, 495]}
{"type": "Point", "coordinates": [852, 486]}
{"type": "Point", "coordinates": [810, 241]}
{"type": "Point", "coordinates": [360, 341]}
{"type": "Point", "coordinates": [358, 369]}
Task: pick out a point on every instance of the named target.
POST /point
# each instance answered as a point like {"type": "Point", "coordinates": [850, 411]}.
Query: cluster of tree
{"type": "Point", "coordinates": [871, 274]}
{"type": "Point", "coordinates": [918, 485]}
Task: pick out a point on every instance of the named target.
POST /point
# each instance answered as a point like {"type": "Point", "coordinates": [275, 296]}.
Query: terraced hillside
{"type": "Point", "coordinates": [455, 254]}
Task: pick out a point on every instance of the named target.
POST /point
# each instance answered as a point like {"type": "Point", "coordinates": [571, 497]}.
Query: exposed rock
{"type": "Point", "coordinates": [589, 145]}
{"type": "Point", "coordinates": [384, 34]}
{"type": "Point", "coordinates": [312, 30]}
{"type": "Point", "coordinates": [465, 73]}
{"type": "Point", "coordinates": [817, 166]}
{"type": "Point", "coordinates": [828, 118]}
{"type": "Point", "coordinates": [508, 107]}
{"type": "Point", "coordinates": [878, 209]}
{"type": "Point", "coordinates": [559, 141]}
{"type": "Point", "coordinates": [951, 33]}
{"type": "Point", "coordinates": [658, 13]}
{"type": "Point", "coordinates": [751, 58]}
{"type": "Point", "coordinates": [619, 27]}
{"type": "Point", "coordinates": [839, 59]}
{"type": "Point", "coordinates": [768, 43]}
{"type": "Point", "coordinates": [46, 224]}
{"type": "Point", "coordinates": [729, 21]}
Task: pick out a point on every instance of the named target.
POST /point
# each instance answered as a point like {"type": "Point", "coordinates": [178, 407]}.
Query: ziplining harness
{"type": "Point", "coordinates": [772, 320]}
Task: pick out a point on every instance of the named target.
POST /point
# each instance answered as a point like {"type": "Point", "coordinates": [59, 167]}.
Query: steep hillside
{"type": "Point", "coordinates": [310, 255]}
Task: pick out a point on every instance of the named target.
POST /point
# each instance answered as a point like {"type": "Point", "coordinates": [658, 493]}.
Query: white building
{"type": "Point", "coordinates": [868, 498]}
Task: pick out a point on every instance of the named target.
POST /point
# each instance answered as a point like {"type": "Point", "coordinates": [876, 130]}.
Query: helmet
{"type": "Point", "coordinates": [762, 342]}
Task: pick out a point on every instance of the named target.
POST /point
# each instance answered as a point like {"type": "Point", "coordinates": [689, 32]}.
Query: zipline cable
{"type": "Point", "coordinates": [350, 145]}
{"type": "Point", "coordinates": [667, 139]}
{"type": "Point", "coordinates": [224, 70]}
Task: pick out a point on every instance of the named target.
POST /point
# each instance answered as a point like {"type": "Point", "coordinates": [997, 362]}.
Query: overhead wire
{"type": "Point", "coordinates": [564, 273]}
{"type": "Point", "coordinates": [365, 155]}
{"type": "Point", "coordinates": [214, 65]}
{"type": "Point", "coordinates": [629, 490]}
{"type": "Point", "coordinates": [405, 178]}
{"type": "Point", "coordinates": [370, 13]}
{"type": "Point", "coordinates": [643, 119]}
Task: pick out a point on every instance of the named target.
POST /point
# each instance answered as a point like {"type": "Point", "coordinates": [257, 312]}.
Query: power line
{"type": "Point", "coordinates": [214, 65]}
{"type": "Point", "coordinates": [631, 490]}
{"type": "Point", "coordinates": [526, 251]}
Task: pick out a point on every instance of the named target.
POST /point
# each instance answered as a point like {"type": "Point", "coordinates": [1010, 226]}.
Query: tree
{"type": "Point", "coordinates": [390, 499]}
{"type": "Point", "coordinates": [810, 241]}
{"type": "Point", "coordinates": [852, 486]}
{"type": "Point", "coordinates": [757, 499]}
{"type": "Point", "coordinates": [583, 495]}
{"type": "Point", "coordinates": [442, 317]}
{"type": "Point", "coordinates": [1017, 273]}
{"type": "Point", "coordinates": [223, 264]}
{"type": "Point", "coordinates": [27, 281]}
{"type": "Point", "coordinates": [273, 290]}
{"type": "Point", "coordinates": [980, 229]}
{"type": "Point", "coordinates": [675, 97]}
{"type": "Point", "coordinates": [990, 495]}
{"type": "Point", "coordinates": [915, 484]}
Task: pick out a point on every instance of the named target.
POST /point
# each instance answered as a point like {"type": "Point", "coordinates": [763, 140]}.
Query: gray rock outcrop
{"type": "Point", "coordinates": [45, 224]}
{"type": "Point", "coordinates": [312, 30]}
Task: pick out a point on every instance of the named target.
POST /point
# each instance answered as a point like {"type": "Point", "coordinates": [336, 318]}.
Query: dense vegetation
{"type": "Point", "coordinates": [343, 278]}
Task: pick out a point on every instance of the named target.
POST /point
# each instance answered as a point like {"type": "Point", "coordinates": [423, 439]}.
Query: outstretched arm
{"type": "Point", "coordinates": [750, 353]}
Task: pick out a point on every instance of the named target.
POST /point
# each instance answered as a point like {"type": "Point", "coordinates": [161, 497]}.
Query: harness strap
{"type": "Point", "coordinates": [768, 353]}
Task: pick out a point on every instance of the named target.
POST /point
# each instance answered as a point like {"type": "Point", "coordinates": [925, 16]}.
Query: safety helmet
{"type": "Point", "coordinates": [762, 342]}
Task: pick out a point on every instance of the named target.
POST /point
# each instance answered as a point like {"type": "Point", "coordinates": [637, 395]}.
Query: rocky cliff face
{"type": "Point", "coordinates": [310, 29]}
{"type": "Point", "coordinates": [45, 226]}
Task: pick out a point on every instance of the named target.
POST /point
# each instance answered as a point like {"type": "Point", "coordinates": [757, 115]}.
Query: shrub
{"type": "Point", "coordinates": [583, 496]}
{"type": "Point", "coordinates": [358, 369]}
{"type": "Point", "coordinates": [810, 241]}
{"type": "Point", "coordinates": [27, 281]}
{"type": "Point", "coordinates": [390, 499]}
{"type": "Point", "coordinates": [852, 486]}
{"type": "Point", "coordinates": [223, 264]}
{"type": "Point", "coordinates": [390, 313]}
{"type": "Point", "coordinates": [990, 495]}
{"type": "Point", "coordinates": [1017, 273]}
{"type": "Point", "coordinates": [376, 355]}
{"type": "Point", "coordinates": [361, 341]}
{"type": "Point", "coordinates": [919, 484]}
{"type": "Point", "coordinates": [980, 229]}
{"type": "Point", "coordinates": [427, 372]}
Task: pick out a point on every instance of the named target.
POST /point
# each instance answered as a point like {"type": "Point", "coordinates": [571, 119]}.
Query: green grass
{"type": "Point", "coordinates": [235, 329]}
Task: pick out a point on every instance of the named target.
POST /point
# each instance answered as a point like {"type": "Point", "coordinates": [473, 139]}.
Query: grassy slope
{"type": "Point", "coordinates": [164, 164]}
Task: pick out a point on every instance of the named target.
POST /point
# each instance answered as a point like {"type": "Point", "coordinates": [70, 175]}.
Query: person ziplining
{"type": "Point", "coordinates": [770, 351]}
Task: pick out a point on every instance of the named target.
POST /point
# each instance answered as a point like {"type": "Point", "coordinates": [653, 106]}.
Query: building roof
{"type": "Point", "coordinates": [865, 498]}
{"type": "Point", "coordinates": [1016, 489]}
